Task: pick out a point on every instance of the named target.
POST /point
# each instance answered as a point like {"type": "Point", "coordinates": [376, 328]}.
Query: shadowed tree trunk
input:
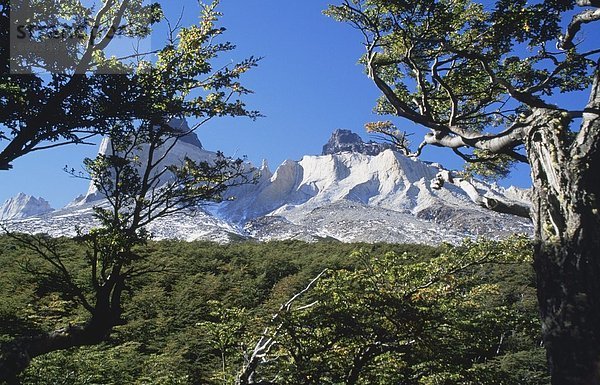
{"type": "Point", "coordinates": [17, 354]}
{"type": "Point", "coordinates": [567, 246]}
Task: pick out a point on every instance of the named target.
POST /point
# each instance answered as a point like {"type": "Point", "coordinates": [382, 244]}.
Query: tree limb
{"type": "Point", "coordinates": [587, 140]}
{"type": "Point", "coordinates": [566, 41]}
{"type": "Point", "coordinates": [492, 203]}
{"type": "Point", "coordinates": [268, 338]}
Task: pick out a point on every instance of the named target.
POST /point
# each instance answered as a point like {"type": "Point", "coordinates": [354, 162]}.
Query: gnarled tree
{"type": "Point", "coordinates": [486, 82]}
{"type": "Point", "coordinates": [138, 188]}
{"type": "Point", "coordinates": [62, 91]}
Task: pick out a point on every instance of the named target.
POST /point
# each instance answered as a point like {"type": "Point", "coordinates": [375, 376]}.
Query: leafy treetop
{"type": "Point", "coordinates": [473, 75]}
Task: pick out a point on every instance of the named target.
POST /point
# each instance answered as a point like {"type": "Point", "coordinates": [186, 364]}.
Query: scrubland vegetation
{"type": "Point", "coordinates": [378, 314]}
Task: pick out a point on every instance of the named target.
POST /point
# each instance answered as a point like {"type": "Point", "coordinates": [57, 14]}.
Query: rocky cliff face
{"type": "Point", "coordinates": [24, 206]}
{"type": "Point", "coordinates": [186, 146]}
{"type": "Point", "coordinates": [357, 197]}
{"type": "Point", "coordinates": [191, 138]}
{"type": "Point", "coordinates": [346, 195]}
{"type": "Point", "coordinates": [348, 141]}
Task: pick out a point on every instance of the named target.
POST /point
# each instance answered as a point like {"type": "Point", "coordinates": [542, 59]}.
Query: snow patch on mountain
{"type": "Point", "coordinates": [23, 206]}
{"type": "Point", "coordinates": [190, 225]}
{"type": "Point", "coordinates": [345, 195]}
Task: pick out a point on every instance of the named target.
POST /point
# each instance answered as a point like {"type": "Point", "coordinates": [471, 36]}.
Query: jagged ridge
{"type": "Point", "coordinates": [23, 206]}
{"type": "Point", "coordinates": [347, 141]}
{"type": "Point", "coordinates": [349, 196]}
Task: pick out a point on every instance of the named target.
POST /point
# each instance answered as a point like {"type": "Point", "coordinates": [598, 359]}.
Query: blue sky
{"type": "Point", "coordinates": [307, 85]}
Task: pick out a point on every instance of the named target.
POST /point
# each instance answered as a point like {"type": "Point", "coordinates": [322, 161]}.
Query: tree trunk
{"type": "Point", "coordinates": [16, 355]}
{"type": "Point", "coordinates": [565, 208]}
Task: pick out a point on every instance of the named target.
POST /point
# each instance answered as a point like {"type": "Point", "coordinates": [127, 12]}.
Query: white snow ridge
{"type": "Point", "coordinates": [374, 196]}
{"type": "Point", "coordinates": [23, 206]}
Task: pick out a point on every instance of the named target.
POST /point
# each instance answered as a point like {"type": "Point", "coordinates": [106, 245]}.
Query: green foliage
{"type": "Point", "coordinates": [467, 316]}
{"type": "Point", "coordinates": [461, 68]}
{"type": "Point", "coordinates": [435, 314]}
{"type": "Point", "coordinates": [416, 36]}
{"type": "Point", "coordinates": [91, 365]}
{"type": "Point", "coordinates": [488, 165]}
{"type": "Point", "coordinates": [225, 334]}
{"type": "Point", "coordinates": [91, 93]}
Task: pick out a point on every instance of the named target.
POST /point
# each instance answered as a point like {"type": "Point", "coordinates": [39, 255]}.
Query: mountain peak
{"type": "Point", "coordinates": [187, 146]}
{"type": "Point", "coordinates": [23, 206]}
{"type": "Point", "coordinates": [347, 141]}
{"type": "Point", "coordinates": [182, 126]}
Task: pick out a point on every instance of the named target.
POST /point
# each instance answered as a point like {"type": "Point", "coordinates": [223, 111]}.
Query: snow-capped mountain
{"type": "Point", "coordinates": [369, 193]}
{"type": "Point", "coordinates": [187, 146]}
{"type": "Point", "coordinates": [22, 206]}
{"type": "Point", "coordinates": [356, 197]}
{"type": "Point", "coordinates": [346, 140]}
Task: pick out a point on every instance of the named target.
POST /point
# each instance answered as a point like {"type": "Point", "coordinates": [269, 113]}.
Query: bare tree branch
{"type": "Point", "coordinates": [269, 338]}
{"type": "Point", "coordinates": [566, 41]}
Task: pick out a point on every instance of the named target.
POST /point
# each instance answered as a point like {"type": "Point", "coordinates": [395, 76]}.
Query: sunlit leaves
{"type": "Point", "coordinates": [196, 182]}
{"type": "Point", "coordinates": [489, 166]}
{"type": "Point", "coordinates": [183, 76]}
{"type": "Point", "coordinates": [225, 331]}
{"type": "Point", "coordinates": [461, 67]}
{"type": "Point", "coordinates": [178, 79]}
{"type": "Point", "coordinates": [400, 319]}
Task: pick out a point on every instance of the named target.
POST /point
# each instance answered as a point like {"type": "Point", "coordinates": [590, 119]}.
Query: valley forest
{"type": "Point", "coordinates": [495, 84]}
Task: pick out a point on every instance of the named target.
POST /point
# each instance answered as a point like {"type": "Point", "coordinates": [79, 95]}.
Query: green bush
{"type": "Point", "coordinates": [197, 315]}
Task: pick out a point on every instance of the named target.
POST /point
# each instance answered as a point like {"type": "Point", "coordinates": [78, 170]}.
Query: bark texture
{"type": "Point", "coordinates": [567, 243]}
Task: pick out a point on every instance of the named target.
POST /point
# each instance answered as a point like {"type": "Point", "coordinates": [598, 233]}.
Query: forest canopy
{"type": "Point", "coordinates": [415, 314]}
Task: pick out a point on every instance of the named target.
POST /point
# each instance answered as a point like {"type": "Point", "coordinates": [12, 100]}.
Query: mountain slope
{"type": "Point", "coordinates": [23, 206]}
{"type": "Point", "coordinates": [344, 195]}
{"type": "Point", "coordinates": [356, 197]}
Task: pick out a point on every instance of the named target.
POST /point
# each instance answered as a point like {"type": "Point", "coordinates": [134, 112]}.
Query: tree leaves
{"type": "Point", "coordinates": [465, 70]}
{"type": "Point", "coordinates": [400, 319]}
{"type": "Point", "coordinates": [97, 91]}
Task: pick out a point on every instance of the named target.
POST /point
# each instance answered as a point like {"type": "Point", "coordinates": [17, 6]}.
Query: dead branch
{"type": "Point", "coordinates": [269, 338]}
